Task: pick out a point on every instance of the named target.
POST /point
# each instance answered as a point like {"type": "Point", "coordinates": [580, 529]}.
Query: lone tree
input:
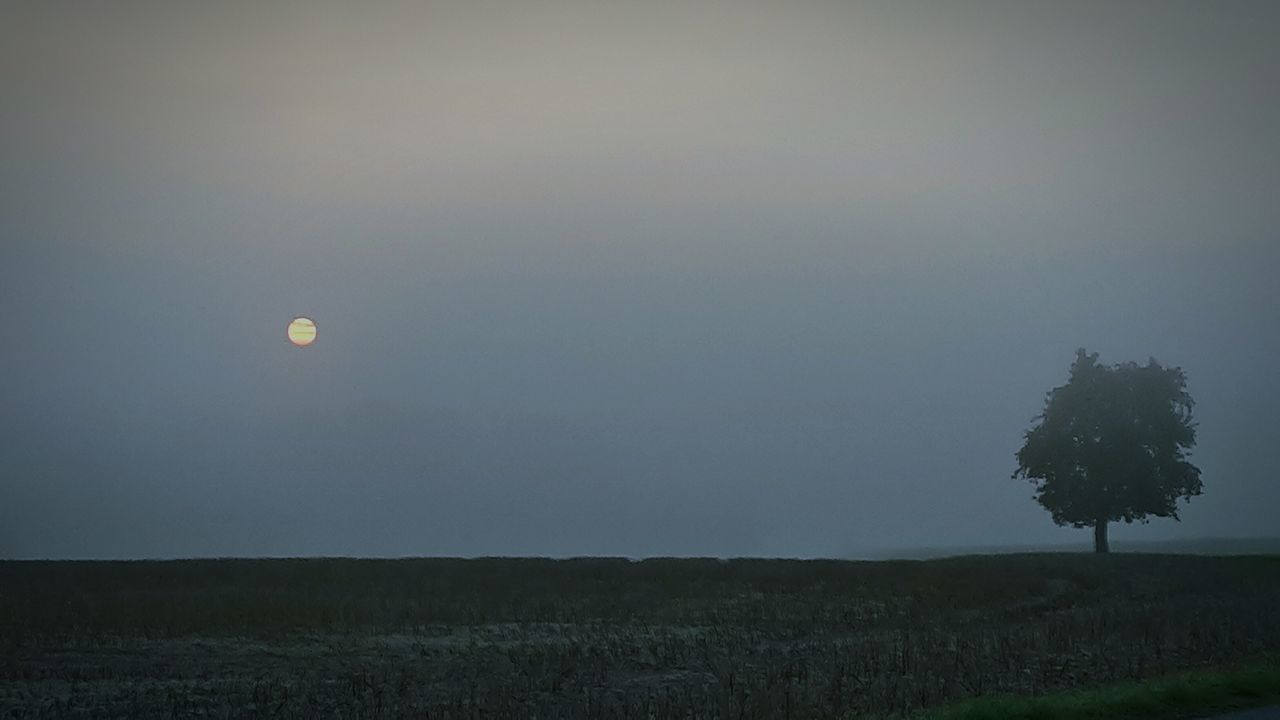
{"type": "Point", "coordinates": [1111, 445]}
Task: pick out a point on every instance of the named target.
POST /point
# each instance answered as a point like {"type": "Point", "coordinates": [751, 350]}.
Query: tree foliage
{"type": "Point", "coordinates": [1112, 444]}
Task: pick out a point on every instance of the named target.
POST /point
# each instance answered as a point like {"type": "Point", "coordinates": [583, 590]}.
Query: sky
{"type": "Point", "coordinates": [621, 278]}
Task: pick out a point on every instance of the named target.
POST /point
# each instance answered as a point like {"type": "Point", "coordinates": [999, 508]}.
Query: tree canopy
{"type": "Point", "coordinates": [1111, 445]}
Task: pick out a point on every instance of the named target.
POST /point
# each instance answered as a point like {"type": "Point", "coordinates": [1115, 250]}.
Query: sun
{"type": "Point", "coordinates": [302, 331]}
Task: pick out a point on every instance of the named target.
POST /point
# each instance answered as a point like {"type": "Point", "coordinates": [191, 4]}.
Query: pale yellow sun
{"type": "Point", "coordinates": [302, 331]}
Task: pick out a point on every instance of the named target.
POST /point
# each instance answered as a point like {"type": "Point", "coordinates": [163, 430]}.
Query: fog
{"type": "Point", "coordinates": [637, 278]}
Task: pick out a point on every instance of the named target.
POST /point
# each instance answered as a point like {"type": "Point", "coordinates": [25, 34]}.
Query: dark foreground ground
{"type": "Point", "coordinates": [608, 638]}
{"type": "Point", "coordinates": [1271, 712]}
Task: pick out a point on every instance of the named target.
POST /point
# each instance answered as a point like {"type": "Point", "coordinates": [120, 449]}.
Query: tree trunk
{"type": "Point", "coordinates": [1100, 544]}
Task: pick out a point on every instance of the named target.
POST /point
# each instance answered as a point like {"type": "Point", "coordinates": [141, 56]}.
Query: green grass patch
{"type": "Point", "coordinates": [1192, 694]}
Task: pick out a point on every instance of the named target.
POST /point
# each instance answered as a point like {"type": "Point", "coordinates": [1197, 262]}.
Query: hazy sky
{"type": "Point", "coordinates": [632, 278]}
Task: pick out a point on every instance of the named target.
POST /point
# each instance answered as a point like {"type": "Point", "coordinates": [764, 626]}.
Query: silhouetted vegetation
{"type": "Point", "coordinates": [1111, 445]}
{"type": "Point", "coordinates": [609, 638]}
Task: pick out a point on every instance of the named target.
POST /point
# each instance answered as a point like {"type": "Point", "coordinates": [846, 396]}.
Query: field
{"type": "Point", "coordinates": [609, 638]}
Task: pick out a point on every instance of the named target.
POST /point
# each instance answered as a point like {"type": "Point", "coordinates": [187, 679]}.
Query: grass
{"type": "Point", "coordinates": [1191, 694]}
{"type": "Point", "coordinates": [606, 638]}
